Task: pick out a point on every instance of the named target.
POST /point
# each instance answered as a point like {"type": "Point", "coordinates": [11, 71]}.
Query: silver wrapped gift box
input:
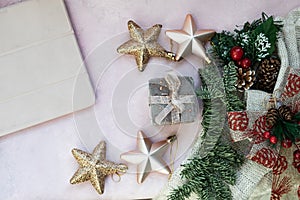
{"type": "Point", "coordinates": [172, 100]}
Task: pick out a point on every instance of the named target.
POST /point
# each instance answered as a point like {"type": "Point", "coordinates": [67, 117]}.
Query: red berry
{"type": "Point", "coordinates": [267, 134]}
{"type": "Point", "coordinates": [239, 63]}
{"type": "Point", "coordinates": [246, 63]}
{"type": "Point", "coordinates": [236, 53]}
{"type": "Point", "coordinates": [297, 155]}
{"type": "Point", "coordinates": [298, 168]}
{"type": "Point", "coordinates": [273, 139]}
{"type": "Point", "coordinates": [287, 143]}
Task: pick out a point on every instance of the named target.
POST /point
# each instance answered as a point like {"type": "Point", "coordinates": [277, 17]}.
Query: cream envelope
{"type": "Point", "coordinates": [40, 65]}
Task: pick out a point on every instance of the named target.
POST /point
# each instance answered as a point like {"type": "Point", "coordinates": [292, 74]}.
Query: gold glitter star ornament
{"type": "Point", "coordinates": [143, 44]}
{"type": "Point", "coordinates": [148, 156]}
{"type": "Point", "coordinates": [190, 40]}
{"type": "Point", "coordinates": [94, 167]}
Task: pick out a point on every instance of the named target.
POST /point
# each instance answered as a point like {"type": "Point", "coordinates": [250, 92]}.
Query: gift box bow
{"type": "Point", "coordinates": [175, 102]}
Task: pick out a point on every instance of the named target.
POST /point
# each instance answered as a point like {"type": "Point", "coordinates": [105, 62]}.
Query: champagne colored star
{"type": "Point", "coordinates": [94, 167]}
{"type": "Point", "coordinates": [190, 40]}
{"type": "Point", "coordinates": [143, 44]}
{"type": "Point", "coordinates": [148, 156]}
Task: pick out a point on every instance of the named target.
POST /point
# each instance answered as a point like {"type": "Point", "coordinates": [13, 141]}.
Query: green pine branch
{"type": "Point", "coordinates": [287, 129]}
{"type": "Point", "coordinates": [214, 107]}
{"type": "Point", "coordinates": [222, 43]}
{"type": "Point", "coordinates": [233, 102]}
{"type": "Point", "coordinates": [222, 88]}
{"type": "Point", "coordinates": [210, 177]}
{"type": "Point", "coordinates": [246, 36]}
{"type": "Point", "coordinates": [213, 169]}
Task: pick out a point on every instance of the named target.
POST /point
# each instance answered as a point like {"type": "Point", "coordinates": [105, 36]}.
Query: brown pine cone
{"type": "Point", "coordinates": [285, 112]}
{"type": "Point", "coordinates": [246, 78]}
{"type": "Point", "coordinates": [272, 117]}
{"type": "Point", "coordinates": [267, 74]}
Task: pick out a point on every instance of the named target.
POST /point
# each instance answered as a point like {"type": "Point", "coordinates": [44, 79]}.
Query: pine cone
{"type": "Point", "coordinates": [265, 156]}
{"type": "Point", "coordinates": [272, 117]}
{"type": "Point", "coordinates": [267, 74]}
{"type": "Point", "coordinates": [238, 121]}
{"type": "Point", "coordinates": [259, 127]}
{"type": "Point", "coordinates": [280, 166]}
{"type": "Point", "coordinates": [285, 112]}
{"type": "Point", "coordinates": [246, 78]}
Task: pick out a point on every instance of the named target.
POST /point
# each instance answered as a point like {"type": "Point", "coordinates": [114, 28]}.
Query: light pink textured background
{"type": "Point", "coordinates": [36, 163]}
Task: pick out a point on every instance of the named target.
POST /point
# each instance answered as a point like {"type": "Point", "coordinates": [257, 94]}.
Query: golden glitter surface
{"type": "Point", "coordinates": [143, 44]}
{"type": "Point", "coordinates": [94, 167]}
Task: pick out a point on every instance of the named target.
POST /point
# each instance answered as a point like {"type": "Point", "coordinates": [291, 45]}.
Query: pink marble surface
{"type": "Point", "coordinates": [36, 163]}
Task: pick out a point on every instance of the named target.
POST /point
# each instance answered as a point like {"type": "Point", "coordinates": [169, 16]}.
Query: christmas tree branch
{"type": "Point", "coordinates": [233, 102]}
{"type": "Point", "coordinates": [210, 172]}
{"type": "Point", "coordinates": [214, 107]}
{"type": "Point", "coordinates": [209, 177]}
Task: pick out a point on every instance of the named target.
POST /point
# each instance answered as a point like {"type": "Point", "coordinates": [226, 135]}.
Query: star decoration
{"type": "Point", "coordinates": [190, 40]}
{"type": "Point", "coordinates": [148, 156]}
{"type": "Point", "coordinates": [94, 167]}
{"type": "Point", "coordinates": [143, 44]}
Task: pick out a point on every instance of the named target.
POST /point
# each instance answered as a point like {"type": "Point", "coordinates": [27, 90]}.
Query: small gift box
{"type": "Point", "coordinates": [172, 100]}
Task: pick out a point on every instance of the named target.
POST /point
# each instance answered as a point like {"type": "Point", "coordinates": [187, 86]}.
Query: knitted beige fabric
{"type": "Point", "coordinates": [263, 189]}
{"type": "Point", "coordinates": [248, 177]}
{"type": "Point", "coordinates": [288, 49]}
{"type": "Point", "coordinates": [283, 54]}
{"type": "Point", "coordinates": [257, 100]}
{"type": "Point", "coordinates": [291, 32]}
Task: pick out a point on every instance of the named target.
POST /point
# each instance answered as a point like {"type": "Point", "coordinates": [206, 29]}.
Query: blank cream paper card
{"type": "Point", "coordinates": [42, 75]}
